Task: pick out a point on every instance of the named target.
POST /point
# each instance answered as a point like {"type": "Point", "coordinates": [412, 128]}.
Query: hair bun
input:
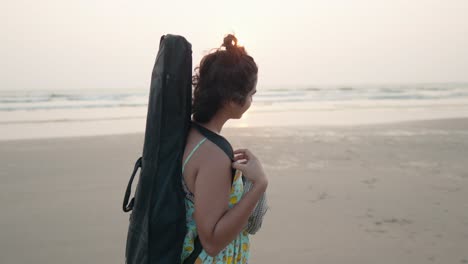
{"type": "Point", "coordinates": [228, 42]}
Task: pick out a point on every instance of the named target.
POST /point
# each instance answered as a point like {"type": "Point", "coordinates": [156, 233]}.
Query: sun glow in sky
{"type": "Point", "coordinates": [88, 44]}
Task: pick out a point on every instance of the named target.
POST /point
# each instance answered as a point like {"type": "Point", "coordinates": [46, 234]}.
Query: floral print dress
{"type": "Point", "coordinates": [235, 252]}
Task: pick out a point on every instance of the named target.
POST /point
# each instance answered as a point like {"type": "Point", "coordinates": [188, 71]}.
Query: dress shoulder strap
{"type": "Point", "coordinates": [191, 153]}
{"type": "Point", "coordinates": [218, 140]}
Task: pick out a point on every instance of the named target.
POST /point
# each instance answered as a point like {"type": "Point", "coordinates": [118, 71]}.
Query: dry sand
{"type": "Point", "coordinates": [394, 193]}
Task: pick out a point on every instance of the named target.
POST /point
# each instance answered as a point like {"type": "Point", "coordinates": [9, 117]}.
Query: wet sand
{"type": "Point", "coordinates": [393, 193]}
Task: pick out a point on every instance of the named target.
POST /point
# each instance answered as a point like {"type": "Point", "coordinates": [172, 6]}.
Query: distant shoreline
{"type": "Point", "coordinates": [230, 130]}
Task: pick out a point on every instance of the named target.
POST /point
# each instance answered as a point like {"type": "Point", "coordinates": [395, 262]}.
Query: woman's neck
{"type": "Point", "coordinates": [215, 124]}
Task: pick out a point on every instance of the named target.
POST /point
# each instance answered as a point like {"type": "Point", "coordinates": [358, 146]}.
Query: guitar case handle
{"type": "Point", "coordinates": [128, 207]}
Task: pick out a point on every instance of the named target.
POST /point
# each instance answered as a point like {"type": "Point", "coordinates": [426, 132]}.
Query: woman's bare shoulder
{"type": "Point", "coordinates": [214, 156]}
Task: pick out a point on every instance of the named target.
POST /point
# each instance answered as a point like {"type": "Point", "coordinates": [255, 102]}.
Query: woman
{"type": "Point", "coordinates": [224, 86]}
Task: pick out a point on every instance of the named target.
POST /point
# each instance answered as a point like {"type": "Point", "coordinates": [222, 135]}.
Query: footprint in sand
{"type": "Point", "coordinates": [321, 196]}
{"type": "Point", "coordinates": [386, 221]}
{"type": "Point", "coordinates": [370, 182]}
{"type": "Point", "coordinates": [394, 221]}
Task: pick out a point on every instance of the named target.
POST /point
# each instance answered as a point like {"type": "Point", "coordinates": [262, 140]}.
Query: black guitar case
{"type": "Point", "coordinates": [157, 223]}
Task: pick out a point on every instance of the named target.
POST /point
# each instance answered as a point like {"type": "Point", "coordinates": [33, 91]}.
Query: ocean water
{"type": "Point", "coordinates": [50, 100]}
{"type": "Point", "coordinates": [32, 114]}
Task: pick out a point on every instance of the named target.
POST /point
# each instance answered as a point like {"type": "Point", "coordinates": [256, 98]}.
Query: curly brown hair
{"type": "Point", "coordinates": [223, 75]}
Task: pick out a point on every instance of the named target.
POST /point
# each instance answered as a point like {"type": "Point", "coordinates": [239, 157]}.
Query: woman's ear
{"type": "Point", "coordinates": [232, 103]}
{"type": "Point", "coordinates": [231, 106]}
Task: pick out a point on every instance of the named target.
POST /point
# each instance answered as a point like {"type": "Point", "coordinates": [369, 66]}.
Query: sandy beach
{"type": "Point", "coordinates": [389, 193]}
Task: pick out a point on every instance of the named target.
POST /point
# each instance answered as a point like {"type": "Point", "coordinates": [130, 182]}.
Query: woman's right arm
{"type": "Point", "coordinates": [217, 224]}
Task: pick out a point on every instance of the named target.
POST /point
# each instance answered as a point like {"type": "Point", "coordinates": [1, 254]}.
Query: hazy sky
{"type": "Point", "coordinates": [87, 44]}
